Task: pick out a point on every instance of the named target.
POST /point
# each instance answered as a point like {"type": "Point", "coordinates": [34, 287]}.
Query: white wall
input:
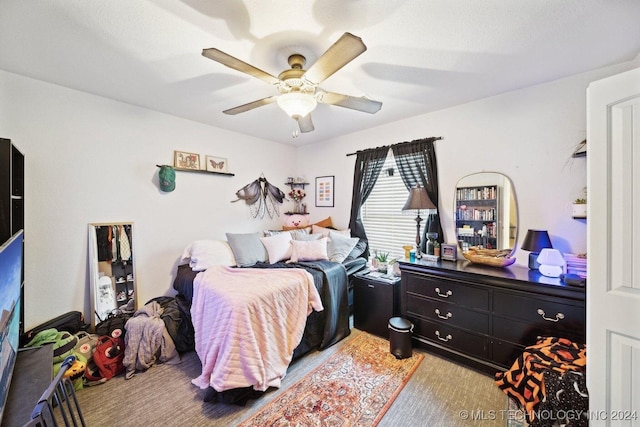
{"type": "Point", "coordinates": [91, 159]}
{"type": "Point", "coordinates": [528, 135]}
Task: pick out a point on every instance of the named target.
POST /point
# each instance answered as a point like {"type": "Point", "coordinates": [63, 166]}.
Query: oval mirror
{"type": "Point", "coordinates": [486, 213]}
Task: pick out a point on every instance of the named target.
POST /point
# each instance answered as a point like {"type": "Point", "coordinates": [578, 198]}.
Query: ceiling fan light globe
{"type": "Point", "coordinates": [297, 104]}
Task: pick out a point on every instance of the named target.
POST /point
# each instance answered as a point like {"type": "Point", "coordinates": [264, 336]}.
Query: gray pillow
{"type": "Point", "coordinates": [339, 246]}
{"type": "Point", "coordinates": [247, 248]}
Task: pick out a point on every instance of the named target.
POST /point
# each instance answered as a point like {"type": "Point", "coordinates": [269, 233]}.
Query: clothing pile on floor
{"type": "Point", "coordinates": [147, 340]}
{"type": "Point", "coordinates": [548, 382]}
{"type": "Point", "coordinates": [157, 332]}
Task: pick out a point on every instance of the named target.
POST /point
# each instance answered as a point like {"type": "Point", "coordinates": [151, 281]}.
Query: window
{"type": "Point", "coordinates": [388, 227]}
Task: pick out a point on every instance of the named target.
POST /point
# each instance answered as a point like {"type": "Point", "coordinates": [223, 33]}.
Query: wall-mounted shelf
{"type": "Point", "coordinates": [296, 184]}
{"type": "Point", "coordinates": [201, 171]}
{"type": "Point", "coordinates": [581, 150]}
{"type": "Point", "coordinates": [579, 211]}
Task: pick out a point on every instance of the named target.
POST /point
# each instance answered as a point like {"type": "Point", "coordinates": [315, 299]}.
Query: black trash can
{"type": "Point", "coordinates": [400, 337]}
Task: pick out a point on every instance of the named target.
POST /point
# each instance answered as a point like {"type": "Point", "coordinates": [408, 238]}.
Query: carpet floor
{"type": "Point", "coordinates": [439, 393]}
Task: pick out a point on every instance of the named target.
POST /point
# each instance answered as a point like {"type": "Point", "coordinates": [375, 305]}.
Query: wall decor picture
{"type": "Point", "coordinates": [217, 164]}
{"type": "Point", "coordinates": [324, 191]}
{"type": "Point", "coordinates": [184, 160]}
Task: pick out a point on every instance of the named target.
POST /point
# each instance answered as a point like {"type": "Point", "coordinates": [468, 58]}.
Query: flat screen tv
{"type": "Point", "coordinates": [10, 283]}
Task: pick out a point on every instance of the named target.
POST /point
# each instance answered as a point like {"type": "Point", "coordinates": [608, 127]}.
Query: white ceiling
{"type": "Point", "coordinates": [423, 55]}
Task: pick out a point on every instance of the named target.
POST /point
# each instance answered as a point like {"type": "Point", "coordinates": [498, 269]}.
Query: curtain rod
{"type": "Point", "coordinates": [435, 138]}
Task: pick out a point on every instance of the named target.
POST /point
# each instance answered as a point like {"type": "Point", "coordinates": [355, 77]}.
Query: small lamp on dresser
{"type": "Point", "coordinates": [534, 242]}
{"type": "Point", "coordinates": [551, 262]}
{"type": "Point", "coordinates": [418, 200]}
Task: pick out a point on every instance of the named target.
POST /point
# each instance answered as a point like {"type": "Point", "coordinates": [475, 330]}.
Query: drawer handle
{"type": "Point", "coordinates": [447, 295]}
{"type": "Point", "coordinates": [445, 339]}
{"type": "Point", "coordinates": [370, 285]}
{"type": "Point", "coordinates": [559, 316]}
{"type": "Point", "coordinates": [445, 317]}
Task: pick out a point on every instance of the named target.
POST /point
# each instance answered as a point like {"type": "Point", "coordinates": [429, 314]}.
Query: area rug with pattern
{"type": "Point", "coordinates": [355, 387]}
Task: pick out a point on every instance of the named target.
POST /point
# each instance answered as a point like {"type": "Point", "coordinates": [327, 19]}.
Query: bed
{"type": "Point", "coordinates": [252, 315]}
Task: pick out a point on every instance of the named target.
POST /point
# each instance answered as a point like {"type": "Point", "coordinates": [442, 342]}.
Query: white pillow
{"type": "Point", "coordinates": [278, 246]}
{"type": "Point", "coordinates": [316, 229]}
{"type": "Point", "coordinates": [314, 250]}
{"type": "Point", "coordinates": [340, 246]}
{"type": "Point", "coordinates": [202, 254]}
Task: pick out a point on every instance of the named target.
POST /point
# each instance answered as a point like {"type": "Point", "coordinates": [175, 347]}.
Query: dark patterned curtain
{"type": "Point", "coordinates": [416, 162]}
{"type": "Point", "coordinates": [367, 169]}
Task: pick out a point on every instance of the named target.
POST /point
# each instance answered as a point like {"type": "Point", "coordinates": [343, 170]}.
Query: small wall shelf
{"type": "Point", "coordinates": [201, 171]}
{"type": "Point", "coordinates": [296, 184]}
{"type": "Point", "coordinates": [579, 211]}
{"type": "Point", "coordinates": [581, 149]}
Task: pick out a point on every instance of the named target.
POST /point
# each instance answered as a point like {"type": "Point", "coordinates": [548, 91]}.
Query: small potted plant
{"type": "Point", "coordinates": [579, 209]}
{"type": "Point", "coordinates": [383, 262]}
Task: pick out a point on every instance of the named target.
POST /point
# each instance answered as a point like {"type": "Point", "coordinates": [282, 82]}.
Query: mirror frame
{"type": "Point", "coordinates": [500, 206]}
{"type": "Point", "coordinates": [95, 271]}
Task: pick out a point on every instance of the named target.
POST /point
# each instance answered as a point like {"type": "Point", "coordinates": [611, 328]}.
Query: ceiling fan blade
{"type": "Point", "coordinates": [355, 103]}
{"type": "Point", "coordinates": [305, 124]}
{"type": "Point", "coordinates": [251, 105]}
{"type": "Point", "coordinates": [231, 62]}
{"type": "Point", "coordinates": [345, 50]}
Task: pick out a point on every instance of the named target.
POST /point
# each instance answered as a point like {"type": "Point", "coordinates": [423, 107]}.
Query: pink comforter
{"type": "Point", "coordinates": [248, 322]}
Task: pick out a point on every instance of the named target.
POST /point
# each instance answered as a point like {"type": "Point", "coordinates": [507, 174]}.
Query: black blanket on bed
{"type": "Point", "coordinates": [323, 328]}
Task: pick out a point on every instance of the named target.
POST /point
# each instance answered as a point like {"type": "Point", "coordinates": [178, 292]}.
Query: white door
{"type": "Point", "coordinates": [613, 242]}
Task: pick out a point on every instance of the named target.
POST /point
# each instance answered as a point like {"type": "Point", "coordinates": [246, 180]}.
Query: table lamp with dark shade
{"type": "Point", "coordinates": [534, 242]}
{"type": "Point", "coordinates": [418, 200]}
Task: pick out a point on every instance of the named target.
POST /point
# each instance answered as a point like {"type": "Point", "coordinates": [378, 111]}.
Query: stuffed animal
{"type": "Point", "coordinates": [76, 370]}
{"type": "Point", "coordinates": [296, 220]}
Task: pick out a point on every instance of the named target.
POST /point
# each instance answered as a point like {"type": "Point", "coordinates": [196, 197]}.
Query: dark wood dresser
{"type": "Point", "coordinates": [484, 317]}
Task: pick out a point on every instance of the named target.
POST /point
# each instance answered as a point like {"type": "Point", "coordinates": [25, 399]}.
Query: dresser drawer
{"type": "Point", "coordinates": [447, 313]}
{"type": "Point", "coordinates": [453, 338]}
{"type": "Point", "coordinates": [448, 290]}
{"type": "Point", "coordinates": [536, 310]}
{"type": "Point", "coordinates": [505, 353]}
{"type": "Point", "coordinates": [520, 332]}
{"type": "Point", "coordinates": [522, 319]}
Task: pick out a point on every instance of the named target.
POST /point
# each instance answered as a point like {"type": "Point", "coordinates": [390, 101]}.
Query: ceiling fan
{"type": "Point", "coordinates": [299, 90]}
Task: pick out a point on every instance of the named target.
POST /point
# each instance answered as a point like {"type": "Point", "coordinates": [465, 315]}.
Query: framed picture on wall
{"type": "Point", "coordinates": [325, 191]}
{"type": "Point", "coordinates": [184, 160]}
{"type": "Point", "coordinates": [217, 164]}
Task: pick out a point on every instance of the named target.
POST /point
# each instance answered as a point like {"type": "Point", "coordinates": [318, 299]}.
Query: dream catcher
{"type": "Point", "coordinates": [261, 197]}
